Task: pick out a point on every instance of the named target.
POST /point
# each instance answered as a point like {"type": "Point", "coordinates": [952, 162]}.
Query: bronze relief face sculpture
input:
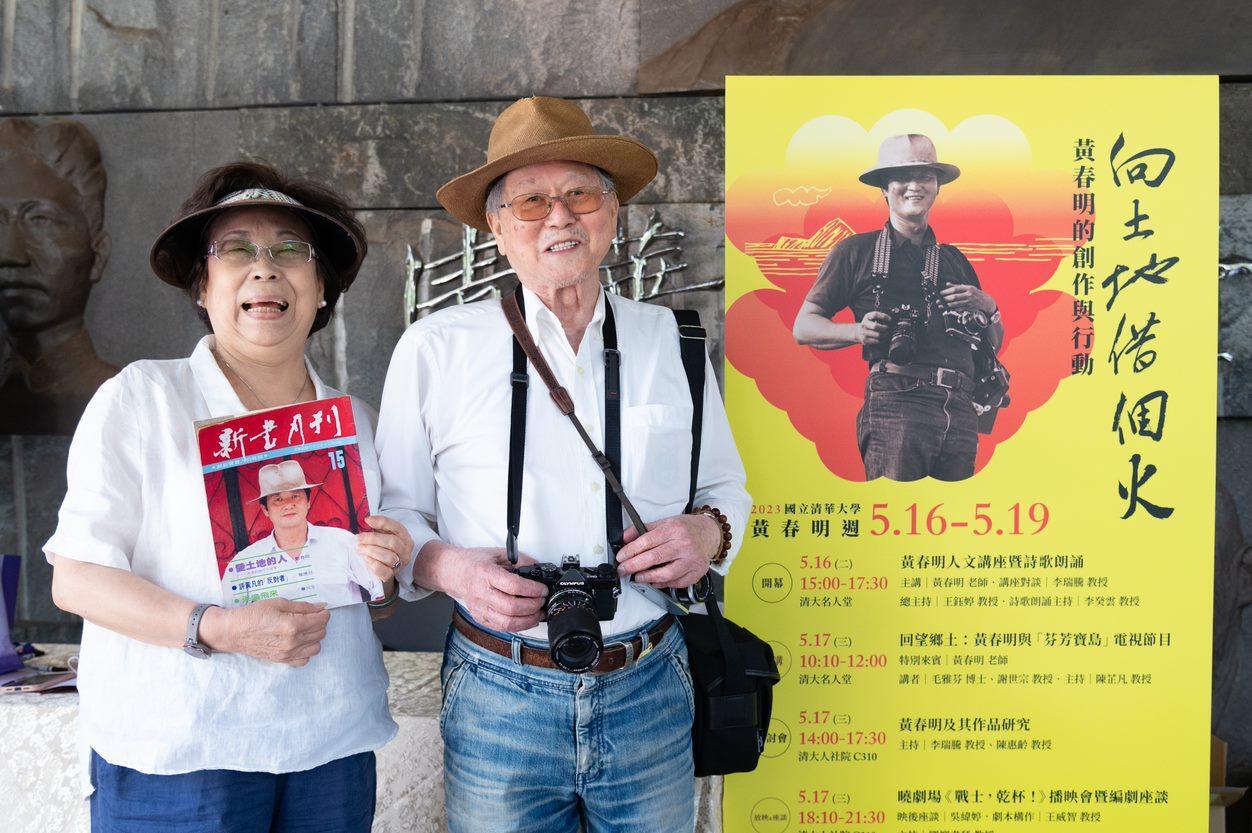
{"type": "Point", "coordinates": [52, 252]}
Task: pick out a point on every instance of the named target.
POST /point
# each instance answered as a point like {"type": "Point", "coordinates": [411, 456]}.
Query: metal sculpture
{"type": "Point", "coordinates": [642, 268]}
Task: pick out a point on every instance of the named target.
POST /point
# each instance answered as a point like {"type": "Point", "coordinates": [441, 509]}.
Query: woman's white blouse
{"type": "Point", "coordinates": [136, 501]}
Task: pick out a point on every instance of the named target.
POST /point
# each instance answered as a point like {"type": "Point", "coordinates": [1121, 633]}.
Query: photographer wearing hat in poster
{"type": "Point", "coordinates": [925, 326]}
{"type": "Point", "coordinates": [537, 737]}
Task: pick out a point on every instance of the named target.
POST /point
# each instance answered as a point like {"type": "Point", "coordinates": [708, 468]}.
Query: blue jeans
{"type": "Point", "coordinates": [337, 797]}
{"type": "Point", "coordinates": [909, 429]}
{"type": "Point", "coordinates": [534, 750]}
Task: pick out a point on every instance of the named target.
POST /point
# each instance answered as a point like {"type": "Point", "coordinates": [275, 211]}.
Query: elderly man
{"type": "Point", "coordinates": [52, 251]}
{"type": "Point", "coordinates": [314, 563]}
{"type": "Point", "coordinates": [926, 328]}
{"type": "Point", "coordinates": [529, 746]}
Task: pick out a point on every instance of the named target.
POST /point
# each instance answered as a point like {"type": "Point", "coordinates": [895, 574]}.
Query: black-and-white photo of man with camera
{"type": "Point", "coordinates": [568, 702]}
{"type": "Point", "coordinates": [926, 328]}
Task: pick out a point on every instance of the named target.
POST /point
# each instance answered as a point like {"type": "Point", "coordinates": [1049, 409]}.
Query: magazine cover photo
{"type": "Point", "coordinates": [286, 497]}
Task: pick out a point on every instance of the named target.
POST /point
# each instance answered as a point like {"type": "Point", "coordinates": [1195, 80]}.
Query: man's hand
{"type": "Point", "coordinates": [873, 327]}
{"type": "Point", "coordinates": [496, 597]}
{"type": "Point", "coordinates": [275, 630]}
{"type": "Point", "coordinates": [965, 296]}
{"type": "Point", "coordinates": [387, 549]}
{"type": "Point", "coordinates": [674, 552]}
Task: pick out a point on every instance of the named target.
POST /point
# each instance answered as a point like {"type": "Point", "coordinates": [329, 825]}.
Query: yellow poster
{"type": "Point", "coordinates": [970, 339]}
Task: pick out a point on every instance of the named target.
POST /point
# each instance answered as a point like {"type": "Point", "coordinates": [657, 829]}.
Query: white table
{"type": "Point", "coordinates": [39, 778]}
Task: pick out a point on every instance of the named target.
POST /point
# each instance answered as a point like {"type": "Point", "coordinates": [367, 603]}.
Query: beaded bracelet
{"type": "Point", "coordinates": [714, 513]}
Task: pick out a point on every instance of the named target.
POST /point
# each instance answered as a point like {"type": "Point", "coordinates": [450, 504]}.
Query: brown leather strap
{"type": "Point", "coordinates": [518, 325]}
{"type": "Point", "coordinates": [615, 655]}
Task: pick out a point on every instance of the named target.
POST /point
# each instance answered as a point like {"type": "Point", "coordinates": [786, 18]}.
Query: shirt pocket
{"type": "Point", "coordinates": [656, 454]}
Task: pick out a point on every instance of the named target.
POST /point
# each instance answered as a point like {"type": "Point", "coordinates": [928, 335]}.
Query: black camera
{"type": "Point", "coordinates": [991, 390]}
{"type": "Point", "coordinates": [902, 336]}
{"type": "Point", "coordinates": [578, 599]}
{"type": "Point", "coordinates": [697, 593]}
{"type": "Point", "coordinates": [965, 324]}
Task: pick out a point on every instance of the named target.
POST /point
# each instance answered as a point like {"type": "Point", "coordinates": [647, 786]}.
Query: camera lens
{"type": "Point", "coordinates": [903, 343]}
{"type": "Point", "coordinates": [699, 591]}
{"type": "Point", "coordinates": [573, 631]}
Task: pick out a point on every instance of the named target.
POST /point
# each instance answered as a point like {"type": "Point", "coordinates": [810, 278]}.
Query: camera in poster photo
{"type": "Point", "coordinates": [320, 563]}
{"type": "Point", "coordinates": [926, 328]}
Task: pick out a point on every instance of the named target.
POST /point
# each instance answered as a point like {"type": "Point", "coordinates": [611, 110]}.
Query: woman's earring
{"type": "Point", "coordinates": [321, 303]}
{"type": "Point", "coordinates": [200, 303]}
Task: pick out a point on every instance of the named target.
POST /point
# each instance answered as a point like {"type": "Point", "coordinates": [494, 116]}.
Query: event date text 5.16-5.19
{"type": "Point", "coordinates": [986, 519]}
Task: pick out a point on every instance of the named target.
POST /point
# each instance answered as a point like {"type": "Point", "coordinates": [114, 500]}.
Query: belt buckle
{"type": "Point", "coordinates": [631, 659]}
{"type": "Point", "coordinates": [939, 371]}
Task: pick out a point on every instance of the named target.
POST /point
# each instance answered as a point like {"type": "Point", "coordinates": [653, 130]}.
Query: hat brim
{"type": "Point", "coordinates": [878, 177]}
{"type": "Point", "coordinates": [628, 163]}
{"type": "Point", "coordinates": [258, 498]}
{"type": "Point", "coordinates": [181, 244]}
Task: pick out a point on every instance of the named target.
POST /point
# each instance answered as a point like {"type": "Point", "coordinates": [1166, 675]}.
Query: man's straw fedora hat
{"type": "Point", "coordinates": [287, 476]}
{"type": "Point", "coordinates": [909, 150]}
{"type": "Point", "coordinates": [540, 129]}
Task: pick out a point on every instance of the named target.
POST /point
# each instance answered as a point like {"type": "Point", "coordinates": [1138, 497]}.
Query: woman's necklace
{"type": "Point", "coordinates": [304, 384]}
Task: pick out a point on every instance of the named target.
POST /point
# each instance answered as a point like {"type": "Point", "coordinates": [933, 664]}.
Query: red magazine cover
{"type": "Point", "coordinates": [286, 498]}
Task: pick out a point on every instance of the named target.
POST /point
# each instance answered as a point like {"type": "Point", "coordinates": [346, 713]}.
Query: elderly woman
{"type": "Point", "coordinates": [195, 717]}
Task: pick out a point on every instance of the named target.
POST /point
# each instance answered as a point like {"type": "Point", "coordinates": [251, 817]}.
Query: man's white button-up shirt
{"type": "Point", "coordinates": [443, 436]}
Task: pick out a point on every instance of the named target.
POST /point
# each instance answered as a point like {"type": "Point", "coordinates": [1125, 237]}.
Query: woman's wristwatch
{"type": "Point", "coordinates": [192, 644]}
{"type": "Point", "coordinates": [722, 551]}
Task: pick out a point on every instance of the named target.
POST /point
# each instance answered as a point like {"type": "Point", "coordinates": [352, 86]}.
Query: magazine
{"type": "Point", "coordinates": [286, 497]}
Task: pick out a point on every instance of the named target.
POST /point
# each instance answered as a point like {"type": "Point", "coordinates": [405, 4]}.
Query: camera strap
{"type": "Point", "coordinates": [524, 348]}
{"type": "Point", "coordinates": [880, 267]}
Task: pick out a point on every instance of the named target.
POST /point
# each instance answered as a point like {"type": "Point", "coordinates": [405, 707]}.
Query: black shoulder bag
{"type": "Point", "coordinates": [732, 669]}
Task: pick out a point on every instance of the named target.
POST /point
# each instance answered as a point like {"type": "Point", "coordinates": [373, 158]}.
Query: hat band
{"type": "Point", "coordinates": [251, 194]}
{"type": "Point", "coordinates": [275, 488]}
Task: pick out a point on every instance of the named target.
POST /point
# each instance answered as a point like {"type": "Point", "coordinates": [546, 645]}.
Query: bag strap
{"type": "Point", "coordinates": [612, 426]}
{"type": "Point", "coordinates": [514, 313]}
{"type": "Point", "coordinates": [691, 337]}
{"type": "Point", "coordinates": [691, 341]}
{"type": "Point", "coordinates": [736, 678]}
{"type": "Point", "coordinates": [520, 382]}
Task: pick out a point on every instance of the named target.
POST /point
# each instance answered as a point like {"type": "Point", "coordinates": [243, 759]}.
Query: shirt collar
{"type": "Point", "coordinates": [311, 538]}
{"type": "Point", "coordinates": [541, 319]}
{"type": "Point", "coordinates": [216, 389]}
{"type": "Point", "coordinates": [898, 239]}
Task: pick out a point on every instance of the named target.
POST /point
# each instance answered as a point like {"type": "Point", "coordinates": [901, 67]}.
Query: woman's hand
{"type": "Point", "coordinates": [387, 549]}
{"type": "Point", "coordinates": [275, 630]}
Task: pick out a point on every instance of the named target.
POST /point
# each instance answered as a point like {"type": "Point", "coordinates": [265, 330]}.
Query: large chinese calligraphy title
{"type": "Point", "coordinates": [1139, 415]}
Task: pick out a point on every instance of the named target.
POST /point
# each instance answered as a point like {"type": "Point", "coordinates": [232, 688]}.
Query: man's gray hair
{"type": "Point", "coordinates": [495, 194]}
{"type": "Point", "coordinates": [69, 149]}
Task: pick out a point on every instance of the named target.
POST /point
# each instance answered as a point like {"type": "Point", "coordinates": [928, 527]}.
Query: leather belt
{"type": "Point", "coordinates": [944, 377]}
{"type": "Point", "coordinates": [614, 656]}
